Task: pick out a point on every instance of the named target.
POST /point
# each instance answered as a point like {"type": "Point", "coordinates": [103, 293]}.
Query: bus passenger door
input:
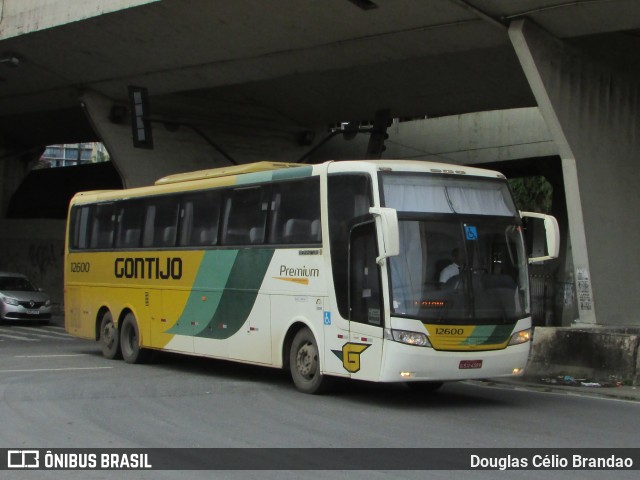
{"type": "Point", "coordinates": [363, 355]}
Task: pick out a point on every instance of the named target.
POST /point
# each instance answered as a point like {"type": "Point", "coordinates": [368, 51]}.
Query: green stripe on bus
{"type": "Point", "coordinates": [291, 173]}
{"type": "Point", "coordinates": [489, 335]}
{"type": "Point", "coordinates": [239, 295]}
{"type": "Point", "coordinates": [210, 281]}
{"type": "Point", "coordinates": [275, 175]}
{"type": "Point", "coordinates": [500, 334]}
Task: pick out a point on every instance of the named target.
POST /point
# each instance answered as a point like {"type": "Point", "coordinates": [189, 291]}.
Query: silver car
{"type": "Point", "coordinates": [20, 300]}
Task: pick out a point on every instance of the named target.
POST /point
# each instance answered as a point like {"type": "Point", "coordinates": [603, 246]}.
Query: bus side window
{"type": "Point", "coordinates": [160, 225]}
{"type": "Point", "coordinates": [130, 225]}
{"type": "Point", "coordinates": [245, 214]}
{"type": "Point", "coordinates": [79, 231]}
{"type": "Point", "coordinates": [200, 216]}
{"type": "Point", "coordinates": [295, 216]}
{"type": "Point", "coordinates": [365, 301]}
{"type": "Point", "coordinates": [349, 197]}
{"type": "Point", "coordinates": [103, 226]}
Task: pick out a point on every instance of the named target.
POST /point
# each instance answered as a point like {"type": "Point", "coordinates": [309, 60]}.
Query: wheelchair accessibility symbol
{"type": "Point", "coordinates": [471, 232]}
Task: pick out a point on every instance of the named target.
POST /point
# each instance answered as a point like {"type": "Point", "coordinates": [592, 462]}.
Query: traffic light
{"type": "Point", "coordinates": [379, 134]}
{"type": "Point", "coordinates": [140, 123]}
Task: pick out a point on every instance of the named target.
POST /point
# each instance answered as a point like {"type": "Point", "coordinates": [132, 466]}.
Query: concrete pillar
{"type": "Point", "coordinates": [174, 151]}
{"type": "Point", "coordinates": [592, 114]}
{"type": "Point", "coordinates": [13, 169]}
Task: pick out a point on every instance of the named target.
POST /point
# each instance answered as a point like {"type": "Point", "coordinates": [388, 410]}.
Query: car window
{"type": "Point", "coordinates": [16, 284]}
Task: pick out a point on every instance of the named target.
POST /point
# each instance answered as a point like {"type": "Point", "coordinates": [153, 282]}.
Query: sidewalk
{"type": "Point", "coordinates": [569, 387]}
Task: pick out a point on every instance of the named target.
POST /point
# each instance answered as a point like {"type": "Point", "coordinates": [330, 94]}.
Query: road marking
{"type": "Point", "coordinates": [22, 339]}
{"type": "Point", "coordinates": [39, 331]}
{"type": "Point", "coordinates": [53, 369]}
{"type": "Point", "coordinates": [49, 356]}
{"type": "Point", "coordinates": [48, 330]}
{"type": "Point", "coordinates": [50, 336]}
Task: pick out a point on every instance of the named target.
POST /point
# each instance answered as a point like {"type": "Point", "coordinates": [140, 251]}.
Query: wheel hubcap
{"type": "Point", "coordinates": [306, 360]}
{"type": "Point", "coordinates": [108, 334]}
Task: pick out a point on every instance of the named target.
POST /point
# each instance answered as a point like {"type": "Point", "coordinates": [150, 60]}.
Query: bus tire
{"type": "Point", "coordinates": [424, 387]}
{"type": "Point", "coordinates": [304, 364]}
{"type": "Point", "coordinates": [109, 337]}
{"type": "Point", "coordinates": [130, 341]}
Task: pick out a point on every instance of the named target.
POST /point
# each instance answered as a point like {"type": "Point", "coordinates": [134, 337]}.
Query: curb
{"type": "Point", "coordinates": [626, 393]}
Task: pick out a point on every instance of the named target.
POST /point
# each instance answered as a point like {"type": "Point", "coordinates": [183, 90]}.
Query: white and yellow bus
{"type": "Point", "coordinates": [331, 270]}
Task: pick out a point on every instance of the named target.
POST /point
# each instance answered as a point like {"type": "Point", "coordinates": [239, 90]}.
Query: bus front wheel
{"type": "Point", "coordinates": [109, 338]}
{"type": "Point", "coordinates": [130, 341]}
{"type": "Point", "coordinates": [304, 363]}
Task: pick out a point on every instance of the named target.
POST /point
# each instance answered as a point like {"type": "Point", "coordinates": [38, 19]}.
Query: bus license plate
{"type": "Point", "coordinates": [468, 364]}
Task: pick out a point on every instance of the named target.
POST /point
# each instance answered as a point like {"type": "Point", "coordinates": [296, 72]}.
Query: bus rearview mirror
{"type": "Point", "coordinates": [387, 224]}
{"type": "Point", "coordinates": [543, 234]}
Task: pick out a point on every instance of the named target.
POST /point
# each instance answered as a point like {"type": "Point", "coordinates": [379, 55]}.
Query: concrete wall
{"type": "Point", "coordinates": [36, 249]}
{"type": "Point", "coordinates": [603, 355]}
{"type": "Point", "coordinates": [593, 113]}
{"type": "Point", "coordinates": [18, 17]}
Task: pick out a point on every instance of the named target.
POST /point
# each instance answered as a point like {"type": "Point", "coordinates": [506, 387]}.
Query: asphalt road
{"type": "Point", "coordinates": [58, 392]}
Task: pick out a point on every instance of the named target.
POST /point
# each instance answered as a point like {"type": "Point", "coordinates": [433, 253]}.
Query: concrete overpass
{"type": "Point", "coordinates": [264, 79]}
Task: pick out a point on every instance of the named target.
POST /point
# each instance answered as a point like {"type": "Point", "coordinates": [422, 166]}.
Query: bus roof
{"type": "Point", "coordinates": [417, 166]}
{"type": "Point", "coordinates": [225, 172]}
{"type": "Point", "coordinates": [259, 172]}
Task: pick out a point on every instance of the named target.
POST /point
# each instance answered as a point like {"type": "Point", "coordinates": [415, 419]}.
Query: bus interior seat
{"type": "Point", "coordinates": [316, 230]}
{"type": "Point", "coordinates": [256, 235]}
{"type": "Point", "coordinates": [131, 237]}
{"type": "Point", "coordinates": [205, 236]}
{"type": "Point", "coordinates": [236, 236]}
{"type": "Point", "coordinates": [169, 236]}
{"type": "Point", "coordinates": [296, 230]}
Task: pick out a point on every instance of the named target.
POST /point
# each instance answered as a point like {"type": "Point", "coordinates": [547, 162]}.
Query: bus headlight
{"type": "Point", "coordinates": [410, 338]}
{"type": "Point", "coordinates": [522, 336]}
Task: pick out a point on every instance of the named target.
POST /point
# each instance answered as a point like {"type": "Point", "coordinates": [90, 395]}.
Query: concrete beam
{"type": "Point", "coordinates": [592, 113]}
{"type": "Point", "coordinates": [467, 139]}
{"type": "Point", "coordinates": [19, 17]}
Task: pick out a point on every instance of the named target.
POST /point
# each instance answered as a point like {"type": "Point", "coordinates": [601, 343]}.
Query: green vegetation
{"type": "Point", "coordinates": [532, 194]}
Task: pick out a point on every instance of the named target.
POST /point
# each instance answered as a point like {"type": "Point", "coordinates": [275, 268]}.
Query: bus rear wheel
{"type": "Point", "coordinates": [109, 338]}
{"type": "Point", "coordinates": [130, 341]}
{"type": "Point", "coordinates": [304, 363]}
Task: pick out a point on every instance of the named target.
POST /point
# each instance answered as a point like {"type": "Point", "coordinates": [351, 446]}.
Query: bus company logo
{"type": "Point", "coordinates": [299, 275]}
{"type": "Point", "coordinates": [350, 355]}
{"type": "Point", "coordinates": [148, 267]}
{"type": "Point", "coordinates": [23, 459]}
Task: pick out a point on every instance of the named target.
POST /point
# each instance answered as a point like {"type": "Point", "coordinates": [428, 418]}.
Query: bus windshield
{"type": "Point", "coordinates": [462, 257]}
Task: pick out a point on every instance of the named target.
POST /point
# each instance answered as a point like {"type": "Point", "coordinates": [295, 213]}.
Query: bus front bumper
{"type": "Point", "coordinates": [406, 363]}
